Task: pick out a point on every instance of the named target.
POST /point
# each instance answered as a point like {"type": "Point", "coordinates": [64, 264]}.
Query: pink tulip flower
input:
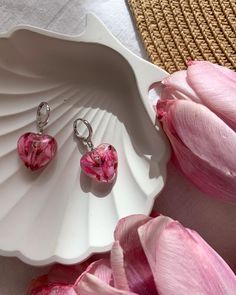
{"type": "Point", "coordinates": [153, 256]}
{"type": "Point", "coordinates": [198, 113]}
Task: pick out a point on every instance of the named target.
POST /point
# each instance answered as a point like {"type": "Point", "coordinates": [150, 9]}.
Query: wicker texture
{"type": "Point", "coordinates": [175, 31]}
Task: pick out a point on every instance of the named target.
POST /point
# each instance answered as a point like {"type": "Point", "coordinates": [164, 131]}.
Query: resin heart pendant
{"type": "Point", "coordinates": [36, 150]}
{"type": "Point", "coordinates": [100, 163]}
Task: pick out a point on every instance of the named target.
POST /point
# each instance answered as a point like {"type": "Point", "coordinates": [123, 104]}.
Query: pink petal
{"type": "Point", "coordinates": [91, 285]}
{"type": "Point", "coordinates": [117, 265]}
{"type": "Point", "coordinates": [137, 271]}
{"type": "Point", "coordinates": [65, 274]}
{"type": "Point", "coordinates": [225, 71]}
{"type": "Point", "coordinates": [52, 290]}
{"type": "Point", "coordinates": [154, 213]}
{"type": "Point", "coordinates": [177, 87]}
{"type": "Point", "coordinates": [101, 269]}
{"type": "Point", "coordinates": [204, 146]}
{"type": "Point", "coordinates": [216, 88]}
{"type": "Point", "coordinates": [183, 263]}
{"type": "Point", "coordinates": [49, 284]}
{"type": "Point", "coordinates": [68, 274]}
{"type": "Point", "coordinates": [60, 279]}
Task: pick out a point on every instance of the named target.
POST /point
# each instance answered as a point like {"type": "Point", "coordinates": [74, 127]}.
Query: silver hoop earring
{"type": "Point", "coordinates": [99, 163]}
{"type": "Point", "coordinates": [36, 150]}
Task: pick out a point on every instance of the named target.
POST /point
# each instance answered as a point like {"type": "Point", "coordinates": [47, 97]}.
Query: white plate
{"type": "Point", "coordinates": [58, 214]}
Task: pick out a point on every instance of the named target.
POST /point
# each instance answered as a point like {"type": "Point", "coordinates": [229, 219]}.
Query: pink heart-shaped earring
{"type": "Point", "coordinates": [99, 163]}
{"type": "Point", "coordinates": [36, 150]}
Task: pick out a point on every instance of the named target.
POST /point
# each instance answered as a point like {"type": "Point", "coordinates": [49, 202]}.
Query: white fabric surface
{"type": "Point", "coordinates": [214, 220]}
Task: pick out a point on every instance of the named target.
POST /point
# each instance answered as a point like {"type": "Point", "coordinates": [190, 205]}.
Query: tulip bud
{"type": "Point", "coordinates": [203, 145]}
{"type": "Point", "coordinates": [209, 84]}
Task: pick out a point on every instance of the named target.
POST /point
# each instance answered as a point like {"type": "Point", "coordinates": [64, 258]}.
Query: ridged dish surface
{"type": "Point", "coordinates": [58, 214]}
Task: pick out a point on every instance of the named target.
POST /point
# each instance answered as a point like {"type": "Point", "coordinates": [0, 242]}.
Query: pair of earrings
{"type": "Point", "coordinates": [37, 150]}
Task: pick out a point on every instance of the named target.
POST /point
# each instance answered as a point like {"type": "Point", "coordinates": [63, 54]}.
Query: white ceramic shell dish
{"type": "Point", "coordinates": [58, 214]}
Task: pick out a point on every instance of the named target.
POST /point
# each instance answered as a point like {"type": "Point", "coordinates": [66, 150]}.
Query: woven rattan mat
{"type": "Point", "coordinates": [175, 31]}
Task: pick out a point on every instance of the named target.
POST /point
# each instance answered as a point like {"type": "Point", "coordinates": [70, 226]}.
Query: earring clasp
{"type": "Point", "coordinates": [41, 123]}
{"type": "Point", "coordinates": [87, 140]}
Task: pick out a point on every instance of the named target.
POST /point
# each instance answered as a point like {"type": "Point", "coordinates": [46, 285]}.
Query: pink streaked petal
{"type": "Point", "coordinates": [151, 241]}
{"type": "Point", "coordinates": [225, 71]}
{"type": "Point", "coordinates": [216, 88]}
{"type": "Point", "coordinates": [52, 290]}
{"type": "Point", "coordinates": [60, 276]}
{"type": "Point", "coordinates": [184, 262]}
{"type": "Point", "coordinates": [177, 87]}
{"type": "Point", "coordinates": [205, 134]}
{"type": "Point", "coordinates": [117, 265]}
{"type": "Point", "coordinates": [91, 285]}
{"type": "Point", "coordinates": [203, 146]}
{"type": "Point", "coordinates": [65, 274]}
{"type": "Point", "coordinates": [171, 93]}
{"type": "Point", "coordinates": [101, 269]}
{"type": "Point", "coordinates": [207, 179]}
{"type": "Point", "coordinates": [138, 270]}
{"type": "Point", "coordinates": [162, 108]}
{"type": "Point", "coordinates": [68, 274]}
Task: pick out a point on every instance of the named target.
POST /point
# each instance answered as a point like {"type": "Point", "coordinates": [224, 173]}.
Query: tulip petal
{"type": "Point", "coordinates": [205, 134]}
{"type": "Point", "coordinates": [101, 269]}
{"type": "Point", "coordinates": [91, 285]}
{"type": "Point", "coordinates": [177, 87]}
{"type": "Point", "coordinates": [59, 279]}
{"type": "Point", "coordinates": [117, 265]}
{"type": "Point", "coordinates": [216, 88]}
{"type": "Point", "coordinates": [138, 271]}
{"type": "Point", "coordinates": [62, 276]}
{"type": "Point", "coordinates": [182, 262]}
{"type": "Point", "coordinates": [53, 289]}
{"type": "Point", "coordinates": [204, 146]}
{"type": "Point", "coordinates": [65, 274]}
